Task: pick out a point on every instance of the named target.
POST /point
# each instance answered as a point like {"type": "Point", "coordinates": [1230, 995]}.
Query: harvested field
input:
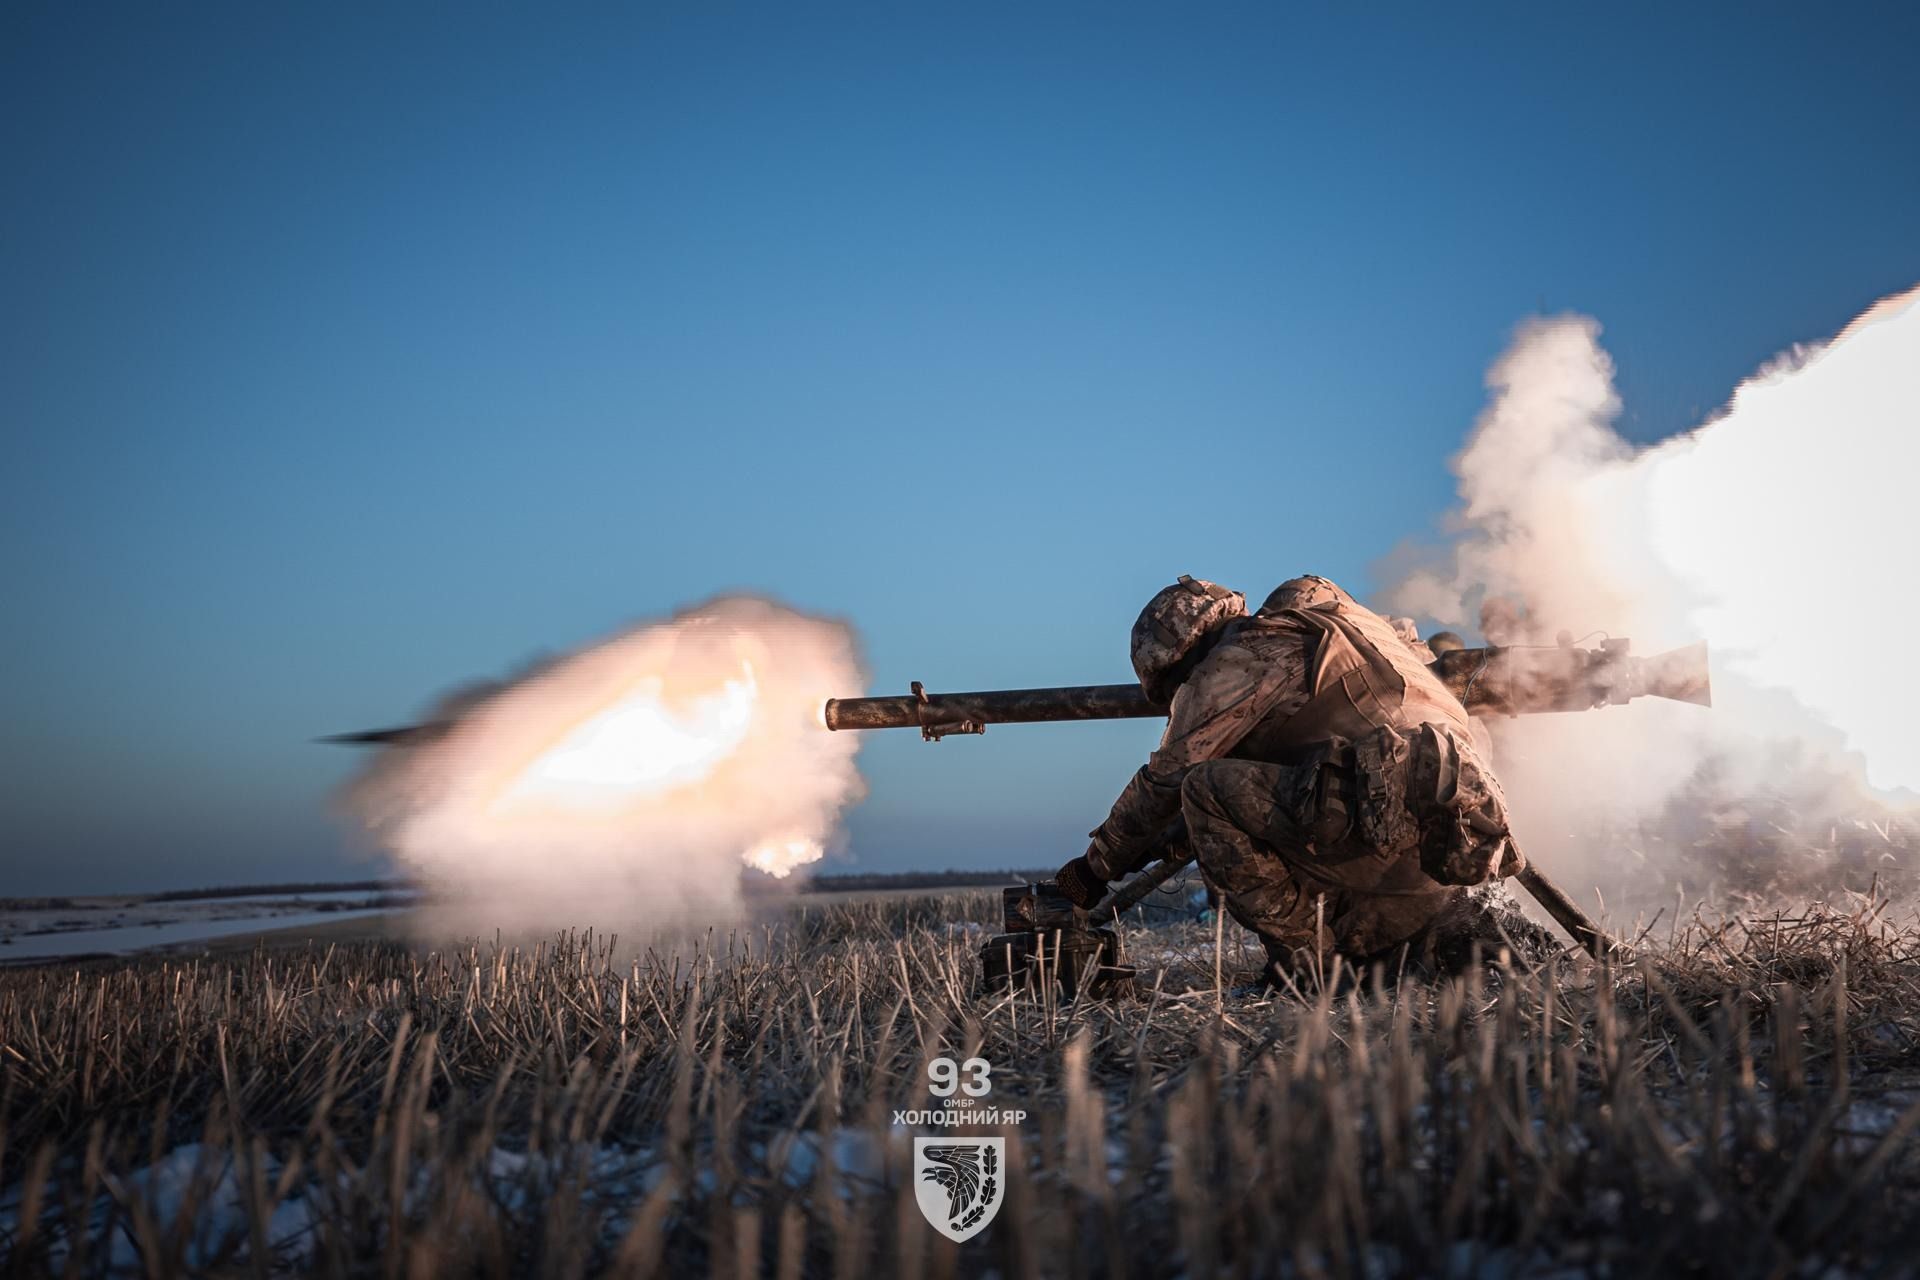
{"type": "Point", "coordinates": [1740, 1102]}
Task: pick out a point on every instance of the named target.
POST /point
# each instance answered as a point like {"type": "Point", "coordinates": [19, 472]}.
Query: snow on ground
{"type": "Point", "coordinates": [205, 1183]}
{"type": "Point", "coordinates": [127, 939]}
{"type": "Point", "coordinates": [120, 926]}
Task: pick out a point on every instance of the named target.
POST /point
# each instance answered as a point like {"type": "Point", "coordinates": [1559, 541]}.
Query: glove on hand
{"type": "Point", "coordinates": [1082, 886]}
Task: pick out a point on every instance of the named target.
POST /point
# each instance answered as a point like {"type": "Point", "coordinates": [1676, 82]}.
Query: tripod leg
{"type": "Point", "coordinates": [1569, 916]}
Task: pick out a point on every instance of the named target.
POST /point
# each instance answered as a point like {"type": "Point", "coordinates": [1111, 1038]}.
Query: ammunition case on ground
{"type": "Point", "coordinates": [1048, 939]}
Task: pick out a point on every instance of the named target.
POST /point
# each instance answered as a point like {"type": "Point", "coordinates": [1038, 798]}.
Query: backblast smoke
{"type": "Point", "coordinates": [629, 782]}
{"type": "Point", "coordinates": [1782, 531]}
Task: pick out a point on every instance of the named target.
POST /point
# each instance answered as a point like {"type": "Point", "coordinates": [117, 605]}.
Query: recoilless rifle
{"type": "Point", "coordinates": [1048, 937]}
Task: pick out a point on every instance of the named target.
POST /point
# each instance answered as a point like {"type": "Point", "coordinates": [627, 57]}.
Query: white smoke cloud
{"type": "Point", "coordinates": [630, 782]}
{"type": "Point", "coordinates": [1782, 531]}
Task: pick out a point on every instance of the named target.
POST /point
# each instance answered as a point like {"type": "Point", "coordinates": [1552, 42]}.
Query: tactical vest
{"type": "Point", "coordinates": [1361, 677]}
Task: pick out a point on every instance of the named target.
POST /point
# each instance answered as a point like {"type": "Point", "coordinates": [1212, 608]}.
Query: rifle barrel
{"type": "Point", "coordinates": [993, 706]}
{"type": "Point", "coordinates": [1490, 681]}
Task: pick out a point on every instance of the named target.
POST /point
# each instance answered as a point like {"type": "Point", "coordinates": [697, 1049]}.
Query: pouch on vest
{"type": "Point", "coordinates": [1380, 771]}
{"type": "Point", "coordinates": [1465, 837]}
{"type": "Point", "coordinates": [1316, 793]}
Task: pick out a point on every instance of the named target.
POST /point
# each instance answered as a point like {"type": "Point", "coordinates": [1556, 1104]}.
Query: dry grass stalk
{"type": "Point", "coordinates": [1742, 1099]}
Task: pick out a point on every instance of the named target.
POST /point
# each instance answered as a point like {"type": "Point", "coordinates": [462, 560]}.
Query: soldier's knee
{"type": "Point", "coordinates": [1204, 792]}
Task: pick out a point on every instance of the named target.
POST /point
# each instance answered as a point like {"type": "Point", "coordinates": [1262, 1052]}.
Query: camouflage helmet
{"type": "Point", "coordinates": [1172, 626]}
{"type": "Point", "coordinates": [1304, 593]}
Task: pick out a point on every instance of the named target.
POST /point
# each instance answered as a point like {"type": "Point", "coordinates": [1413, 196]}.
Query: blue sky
{"type": "Point", "coordinates": [350, 351]}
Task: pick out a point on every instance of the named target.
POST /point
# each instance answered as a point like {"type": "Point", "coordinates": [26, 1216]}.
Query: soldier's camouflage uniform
{"type": "Point", "coordinates": [1330, 784]}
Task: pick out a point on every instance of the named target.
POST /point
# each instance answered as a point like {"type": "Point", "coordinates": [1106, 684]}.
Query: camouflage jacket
{"type": "Point", "coordinates": [1252, 676]}
{"type": "Point", "coordinates": [1274, 683]}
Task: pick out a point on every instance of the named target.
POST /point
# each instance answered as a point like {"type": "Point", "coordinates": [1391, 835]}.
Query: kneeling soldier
{"type": "Point", "coordinates": [1329, 782]}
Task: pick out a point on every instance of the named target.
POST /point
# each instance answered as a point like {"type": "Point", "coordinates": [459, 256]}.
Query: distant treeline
{"type": "Point", "coordinates": [90, 902]}
{"type": "Point", "coordinates": [855, 882]}
{"type": "Point", "coordinates": [866, 882]}
{"type": "Point", "coordinates": [282, 890]}
{"type": "Point", "coordinates": [851, 883]}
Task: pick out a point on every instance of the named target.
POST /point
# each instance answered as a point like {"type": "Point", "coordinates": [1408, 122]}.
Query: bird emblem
{"type": "Point", "coordinates": [957, 1169]}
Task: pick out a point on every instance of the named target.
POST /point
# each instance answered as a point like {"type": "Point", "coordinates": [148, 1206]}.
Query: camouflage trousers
{"type": "Point", "coordinates": [1291, 867]}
